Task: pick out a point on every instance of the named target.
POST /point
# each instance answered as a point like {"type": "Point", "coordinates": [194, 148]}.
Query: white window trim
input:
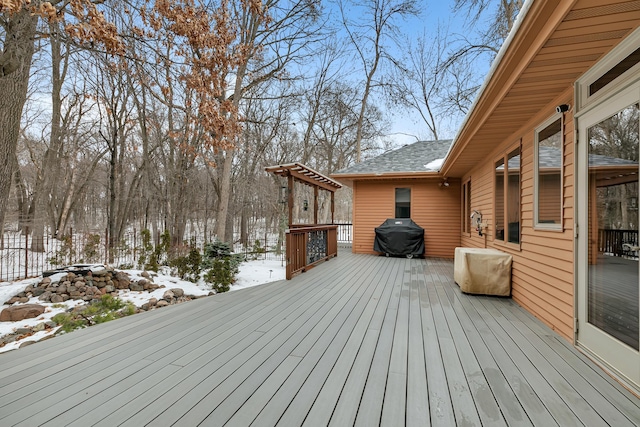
{"type": "Point", "coordinates": [536, 224]}
{"type": "Point", "coordinates": [583, 101]}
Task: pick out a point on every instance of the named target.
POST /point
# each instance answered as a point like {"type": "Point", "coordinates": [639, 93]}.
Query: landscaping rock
{"type": "Point", "coordinates": [136, 286]}
{"type": "Point", "coordinates": [168, 295]}
{"type": "Point", "coordinates": [21, 312]}
{"type": "Point", "coordinates": [162, 303]}
{"type": "Point", "coordinates": [123, 278]}
{"type": "Point", "coordinates": [46, 297]}
{"type": "Point", "coordinates": [177, 292]}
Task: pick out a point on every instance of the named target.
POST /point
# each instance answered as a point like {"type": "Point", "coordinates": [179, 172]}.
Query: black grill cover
{"type": "Point", "coordinates": [399, 236]}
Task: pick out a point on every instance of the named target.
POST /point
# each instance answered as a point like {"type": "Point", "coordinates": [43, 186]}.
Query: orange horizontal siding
{"type": "Point", "coordinates": [434, 208]}
{"type": "Point", "coordinates": [543, 272]}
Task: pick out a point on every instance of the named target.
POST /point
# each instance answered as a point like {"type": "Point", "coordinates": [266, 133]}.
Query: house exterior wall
{"type": "Point", "coordinates": [435, 208]}
{"type": "Point", "coordinates": [543, 268]}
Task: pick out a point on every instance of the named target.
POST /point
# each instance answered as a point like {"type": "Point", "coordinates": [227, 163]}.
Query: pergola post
{"type": "Point", "coordinates": [290, 198]}
{"type": "Point", "coordinates": [315, 205]}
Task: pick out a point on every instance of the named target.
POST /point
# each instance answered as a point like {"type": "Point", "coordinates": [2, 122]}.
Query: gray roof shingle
{"type": "Point", "coordinates": [409, 158]}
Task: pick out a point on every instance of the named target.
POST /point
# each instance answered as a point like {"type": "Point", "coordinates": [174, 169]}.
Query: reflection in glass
{"type": "Point", "coordinates": [613, 226]}
{"type": "Point", "coordinates": [513, 197]}
{"type": "Point", "coordinates": [549, 184]}
{"type": "Point", "coordinates": [403, 203]}
{"type": "Point", "coordinates": [499, 201]}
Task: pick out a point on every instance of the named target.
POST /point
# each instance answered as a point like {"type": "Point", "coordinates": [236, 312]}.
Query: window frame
{"type": "Point", "coordinates": [505, 195]}
{"type": "Point", "coordinates": [584, 100]}
{"type": "Point", "coordinates": [465, 225]}
{"type": "Point", "coordinates": [537, 225]}
{"type": "Point", "coordinates": [395, 201]}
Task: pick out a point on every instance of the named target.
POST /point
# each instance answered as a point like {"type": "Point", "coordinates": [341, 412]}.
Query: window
{"type": "Point", "coordinates": [548, 154]}
{"type": "Point", "coordinates": [507, 197]}
{"type": "Point", "coordinates": [403, 203]}
{"type": "Point", "coordinates": [615, 71]}
{"type": "Point", "coordinates": [466, 207]}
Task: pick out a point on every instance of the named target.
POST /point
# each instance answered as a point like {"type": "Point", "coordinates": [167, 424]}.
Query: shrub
{"type": "Point", "coordinates": [103, 310]}
{"type": "Point", "coordinates": [146, 249]}
{"type": "Point", "coordinates": [221, 265]}
{"type": "Point", "coordinates": [257, 250]}
{"type": "Point", "coordinates": [65, 254]}
{"type": "Point", "coordinates": [152, 257]}
{"type": "Point", "coordinates": [90, 250]}
{"type": "Point", "coordinates": [188, 266]}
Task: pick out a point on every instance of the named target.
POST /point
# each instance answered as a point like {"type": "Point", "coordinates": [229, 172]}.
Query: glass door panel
{"type": "Point", "coordinates": [612, 285]}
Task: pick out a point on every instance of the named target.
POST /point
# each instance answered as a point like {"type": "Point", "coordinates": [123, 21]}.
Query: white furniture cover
{"type": "Point", "coordinates": [483, 271]}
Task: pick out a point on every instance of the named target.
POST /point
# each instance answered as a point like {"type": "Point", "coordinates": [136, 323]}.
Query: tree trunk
{"type": "Point", "coordinates": [225, 194]}
{"type": "Point", "coordinates": [18, 52]}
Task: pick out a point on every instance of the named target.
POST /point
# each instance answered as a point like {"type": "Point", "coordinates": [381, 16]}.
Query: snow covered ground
{"type": "Point", "coordinates": [252, 273]}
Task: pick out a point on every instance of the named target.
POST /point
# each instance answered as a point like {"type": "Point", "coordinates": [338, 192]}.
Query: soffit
{"type": "Point", "coordinates": [556, 43]}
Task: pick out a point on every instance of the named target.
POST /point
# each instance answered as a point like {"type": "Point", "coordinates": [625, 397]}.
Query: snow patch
{"type": "Point", "coordinates": [434, 165]}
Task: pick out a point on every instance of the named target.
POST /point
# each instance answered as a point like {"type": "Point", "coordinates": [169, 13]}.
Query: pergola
{"type": "Point", "coordinates": [308, 244]}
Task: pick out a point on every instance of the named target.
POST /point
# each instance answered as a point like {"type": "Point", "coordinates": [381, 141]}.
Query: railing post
{"type": "Point", "coordinates": [26, 253]}
{"type": "Point", "coordinates": [288, 255]}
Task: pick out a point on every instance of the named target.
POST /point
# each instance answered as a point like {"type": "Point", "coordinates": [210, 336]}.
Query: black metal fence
{"type": "Point", "coordinates": [22, 257]}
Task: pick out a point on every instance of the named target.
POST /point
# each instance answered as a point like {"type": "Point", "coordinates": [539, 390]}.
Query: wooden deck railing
{"type": "Point", "coordinates": [611, 242]}
{"type": "Point", "coordinates": [308, 245]}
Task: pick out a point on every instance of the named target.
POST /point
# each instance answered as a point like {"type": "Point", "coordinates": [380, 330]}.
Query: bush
{"type": "Point", "coordinates": [188, 266]}
{"type": "Point", "coordinates": [221, 265]}
{"type": "Point", "coordinates": [65, 253]}
{"type": "Point", "coordinates": [90, 250]}
{"type": "Point", "coordinates": [103, 310]}
{"type": "Point", "coordinates": [151, 258]}
{"type": "Point", "coordinates": [257, 250]}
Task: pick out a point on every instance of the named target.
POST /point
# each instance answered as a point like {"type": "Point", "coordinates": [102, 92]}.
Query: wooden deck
{"type": "Point", "coordinates": [359, 340]}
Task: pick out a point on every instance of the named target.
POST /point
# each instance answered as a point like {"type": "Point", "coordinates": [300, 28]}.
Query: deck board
{"type": "Point", "coordinates": [358, 340]}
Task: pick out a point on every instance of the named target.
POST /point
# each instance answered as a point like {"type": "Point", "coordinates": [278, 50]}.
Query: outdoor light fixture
{"type": "Point", "coordinates": [563, 108]}
{"type": "Point", "coordinates": [305, 205]}
{"type": "Point", "coordinates": [444, 182]}
{"type": "Point", "coordinates": [284, 192]}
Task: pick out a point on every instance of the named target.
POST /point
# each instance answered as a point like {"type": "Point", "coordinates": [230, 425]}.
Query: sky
{"type": "Point", "coordinates": [409, 128]}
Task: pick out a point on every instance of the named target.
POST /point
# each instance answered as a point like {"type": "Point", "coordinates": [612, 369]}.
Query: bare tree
{"type": "Point", "coordinates": [369, 34]}
{"type": "Point", "coordinates": [19, 21]}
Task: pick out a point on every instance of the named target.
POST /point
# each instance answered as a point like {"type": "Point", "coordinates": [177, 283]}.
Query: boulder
{"type": "Point", "coordinates": [162, 303]}
{"type": "Point", "coordinates": [56, 299]}
{"type": "Point", "coordinates": [177, 292]}
{"type": "Point", "coordinates": [136, 286]}
{"type": "Point", "coordinates": [45, 296]}
{"type": "Point", "coordinates": [168, 296]}
{"type": "Point", "coordinates": [121, 276]}
{"type": "Point", "coordinates": [21, 312]}
{"type": "Point", "coordinates": [38, 291]}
